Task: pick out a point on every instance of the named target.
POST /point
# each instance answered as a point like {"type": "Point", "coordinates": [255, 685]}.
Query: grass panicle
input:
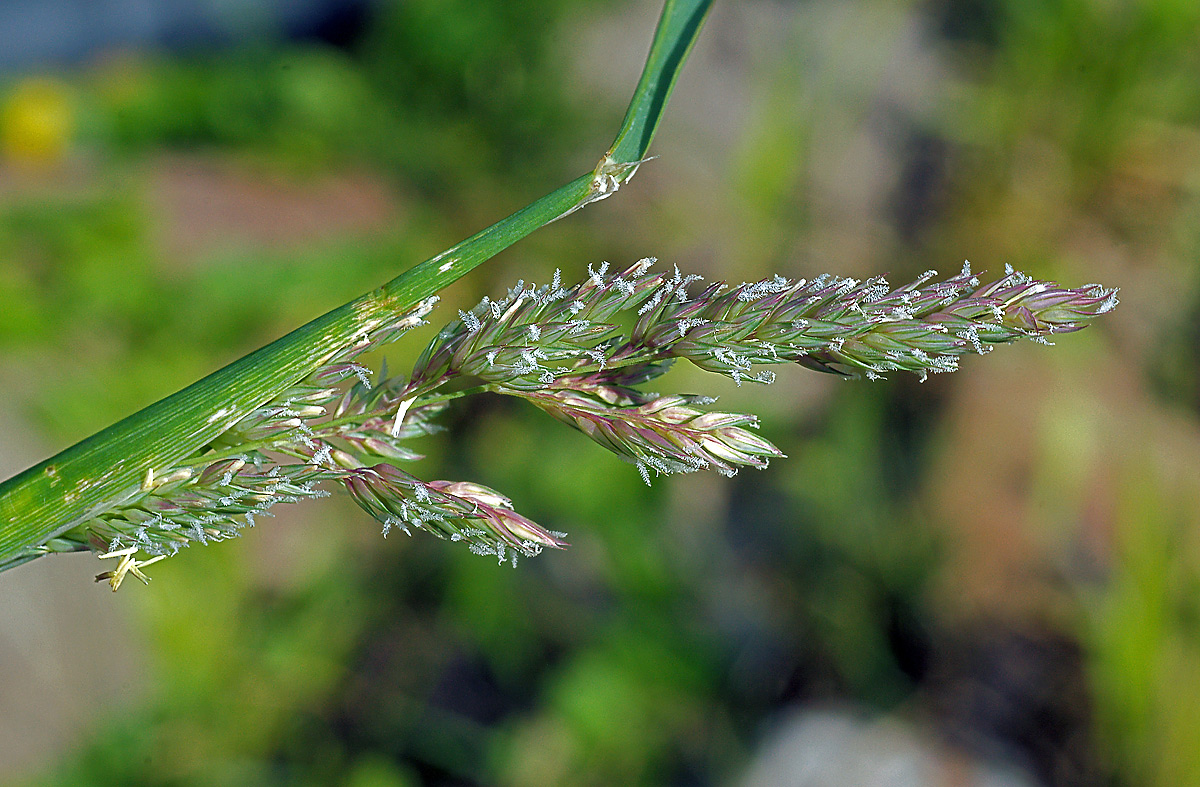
{"type": "Point", "coordinates": [302, 415]}
{"type": "Point", "coordinates": [580, 353]}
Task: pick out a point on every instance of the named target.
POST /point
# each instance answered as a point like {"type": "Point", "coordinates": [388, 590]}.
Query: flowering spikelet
{"type": "Point", "coordinates": [184, 507]}
{"type": "Point", "coordinates": [212, 505]}
{"type": "Point", "coordinates": [513, 341]}
{"type": "Point", "coordinates": [458, 511]}
{"type": "Point", "coordinates": [660, 432]}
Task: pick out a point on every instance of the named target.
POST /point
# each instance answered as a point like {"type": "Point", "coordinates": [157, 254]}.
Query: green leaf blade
{"type": "Point", "coordinates": [678, 29]}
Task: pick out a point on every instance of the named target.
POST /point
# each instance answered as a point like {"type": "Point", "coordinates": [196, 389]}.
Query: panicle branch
{"type": "Point", "coordinates": [849, 327]}
{"type": "Point", "coordinates": [535, 337]}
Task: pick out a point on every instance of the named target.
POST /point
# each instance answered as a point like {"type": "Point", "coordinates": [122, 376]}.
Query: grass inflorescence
{"type": "Point", "coordinates": [581, 353]}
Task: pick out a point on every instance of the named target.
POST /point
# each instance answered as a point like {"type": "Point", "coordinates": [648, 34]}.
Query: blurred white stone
{"type": "Point", "coordinates": [839, 747]}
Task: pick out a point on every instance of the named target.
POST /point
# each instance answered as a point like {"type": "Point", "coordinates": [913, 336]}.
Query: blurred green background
{"type": "Point", "coordinates": [990, 578]}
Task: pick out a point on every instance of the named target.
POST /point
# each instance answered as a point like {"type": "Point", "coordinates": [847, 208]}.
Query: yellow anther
{"type": "Point", "coordinates": [128, 565]}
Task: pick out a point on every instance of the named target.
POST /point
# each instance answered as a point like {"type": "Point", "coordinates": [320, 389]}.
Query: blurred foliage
{"type": "Point", "coordinates": [1010, 554]}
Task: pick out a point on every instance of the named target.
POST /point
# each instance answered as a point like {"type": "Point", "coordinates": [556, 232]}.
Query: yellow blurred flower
{"type": "Point", "coordinates": [36, 122]}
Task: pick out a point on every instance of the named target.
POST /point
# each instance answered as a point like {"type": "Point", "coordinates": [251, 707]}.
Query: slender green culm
{"type": "Point", "coordinates": [106, 470]}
